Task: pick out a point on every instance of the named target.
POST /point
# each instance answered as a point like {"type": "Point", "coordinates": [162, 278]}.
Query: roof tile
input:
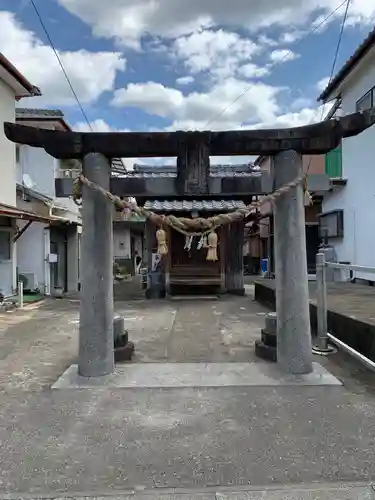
{"type": "Point", "coordinates": [38, 113]}
{"type": "Point", "coordinates": [189, 205]}
{"type": "Point", "coordinates": [355, 58]}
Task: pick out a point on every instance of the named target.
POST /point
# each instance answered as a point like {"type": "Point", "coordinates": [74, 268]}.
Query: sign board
{"type": "Point", "coordinates": [155, 261]}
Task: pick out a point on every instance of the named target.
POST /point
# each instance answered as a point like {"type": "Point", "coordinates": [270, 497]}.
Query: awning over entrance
{"type": "Point", "coordinates": [16, 213]}
{"type": "Point", "coordinates": [190, 205]}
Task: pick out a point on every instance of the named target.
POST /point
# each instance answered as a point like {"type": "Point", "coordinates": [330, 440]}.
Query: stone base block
{"type": "Point", "coordinates": [179, 375]}
{"type": "Point", "coordinates": [266, 352]}
{"type": "Point", "coordinates": [122, 340]}
{"type": "Point", "coordinates": [268, 338]}
{"type": "Point", "coordinates": [118, 327]}
{"type": "Point", "coordinates": [124, 353]}
{"type": "Point", "coordinates": [271, 322]}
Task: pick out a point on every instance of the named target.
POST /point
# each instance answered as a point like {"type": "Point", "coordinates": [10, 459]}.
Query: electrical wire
{"type": "Point", "coordinates": [316, 28]}
{"type": "Point", "coordinates": [115, 161]}
{"type": "Point", "coordinates": [60, 63]}
{"type": "Point", "coordinates": [338, 45]}
{"type": "Point", "coordinates": [339, 40]}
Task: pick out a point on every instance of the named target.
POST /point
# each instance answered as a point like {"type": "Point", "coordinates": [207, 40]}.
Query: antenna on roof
{"type": "Point", "coordinates": [27, 181]}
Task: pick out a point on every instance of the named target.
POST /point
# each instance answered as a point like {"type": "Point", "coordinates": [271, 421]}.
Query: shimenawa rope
{"type": "Point", "coordinates": [189, 227]}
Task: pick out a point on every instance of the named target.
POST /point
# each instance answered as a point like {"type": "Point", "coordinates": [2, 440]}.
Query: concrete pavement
{"type": "Point", "coordinates": [230, 442]}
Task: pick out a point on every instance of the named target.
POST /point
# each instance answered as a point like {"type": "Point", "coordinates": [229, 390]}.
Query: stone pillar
{"type": "Point", "coordinates": [96, 350]}
{"type": "Point", "coordinates": [234, 259]}
{"type": "Point", "coordinates": [294, 354]}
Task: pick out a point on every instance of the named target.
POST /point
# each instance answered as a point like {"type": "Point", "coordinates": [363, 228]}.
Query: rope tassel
{"type": "Point", "coordinates": [307, 200]}
{"type": "Point", "coordinates": [161, 238]}
{"type": "Point", "coordinates": [212, 247]}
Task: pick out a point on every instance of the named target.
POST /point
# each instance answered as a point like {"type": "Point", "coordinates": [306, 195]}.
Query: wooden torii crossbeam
{"type": "Point", "coordinates": [193, 151]}
{"type": "Point", "coordinates": [318, 138]}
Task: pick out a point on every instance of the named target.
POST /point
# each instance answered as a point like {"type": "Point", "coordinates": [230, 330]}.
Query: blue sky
{"type": "Point", "coordinates": [124, 59]}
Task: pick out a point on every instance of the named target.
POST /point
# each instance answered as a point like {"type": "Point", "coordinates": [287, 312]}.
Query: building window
{"type": "Point", "coordinates": [5, 245]}
{"type": "Point", "coordinates": [365, 102]}
{"type": "Point", "coordinates": [331, 224]}
{"type": "Point", "coordinates": [333, 163]}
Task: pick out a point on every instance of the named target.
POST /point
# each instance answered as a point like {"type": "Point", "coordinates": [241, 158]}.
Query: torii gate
{"type": "Point", "coordinates": [193, 149]}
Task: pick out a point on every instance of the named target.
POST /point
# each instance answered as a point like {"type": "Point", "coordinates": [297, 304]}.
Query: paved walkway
{"type": "Point", "coordinates": [255, 441]}
{"type": "Point", "coordinates": [345, 298]}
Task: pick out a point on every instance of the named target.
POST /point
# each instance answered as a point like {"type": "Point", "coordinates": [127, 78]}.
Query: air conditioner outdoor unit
{"type": "Point", "coordinates": [30, 282]}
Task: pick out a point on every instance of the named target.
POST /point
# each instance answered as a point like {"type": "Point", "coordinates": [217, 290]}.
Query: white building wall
{"type": "Point", "coordinates": [357, 198]}
{"type": "Point", "coordinates": [41, 169]}
{"type": "Point", "coordinates": [31, 253]}
{"type": "Point", "coordinates": [7, 148]}
{"type": "Point", "coordinates": [8, 262]}
{"type": "Point", "coordinates": [8, 183]}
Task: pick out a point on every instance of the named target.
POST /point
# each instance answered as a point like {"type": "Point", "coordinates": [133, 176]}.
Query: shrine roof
{"type": "Point", "coordinates": [170, 171]}
{"type": "Point", "coordinates": [189, 205]}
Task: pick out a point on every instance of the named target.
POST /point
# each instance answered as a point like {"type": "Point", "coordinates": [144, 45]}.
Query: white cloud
{"type": "Point", "coordinates": [283, 55]}
{"type": "Point", "coordinates": [291, 36]}
{"type": "Point", "coordinates": [322, 84]}
{"type": "Point", "coordinates": [258, 107]}
{"type": "Point", "coordinates": [152, 97]}
{"type": "Point", "coordinates": [301, 103]}
{"type": "Point", "coordinates": [98, 125]}
{"type": "Point", "coordinates": [251, 70]}
{"type": "Point", "coordinates": [128, 20]}
{"type": "Point", "coordinates": [305, 116]}
{"type": "Point", "coordinates": [91, 73]}
{"type": "Point", "coordinates": [218, 52]}
{"type": "Point", "coordinates": [266, 41]}
{"type": "Point", "coordinates": [196, 109]}
{"type": "Point", "coordinates": [185, 80]}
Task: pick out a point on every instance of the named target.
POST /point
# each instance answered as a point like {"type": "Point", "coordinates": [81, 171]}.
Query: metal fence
{"type": "Point", "coordinates": [323, 337]}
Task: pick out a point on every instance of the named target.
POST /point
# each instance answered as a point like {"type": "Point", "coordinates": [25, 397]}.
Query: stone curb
{"type": "Point", "coordinates": [213, 491]}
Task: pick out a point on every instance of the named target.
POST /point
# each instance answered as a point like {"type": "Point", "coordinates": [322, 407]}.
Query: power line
{"type": "Point", "coordinates": [116, 162]}
{"type": "Point", "coordinates": [60, 63]}
{"type": "Point", "coordinates": [338, 44]}
{"type": "Point", "coordinates": [316, 28]}
{"type": "Point", "coordinates": [335, 57]}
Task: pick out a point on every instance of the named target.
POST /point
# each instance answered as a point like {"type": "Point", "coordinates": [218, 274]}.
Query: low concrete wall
{"type": "Point", "coordinates": [355, 333]}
